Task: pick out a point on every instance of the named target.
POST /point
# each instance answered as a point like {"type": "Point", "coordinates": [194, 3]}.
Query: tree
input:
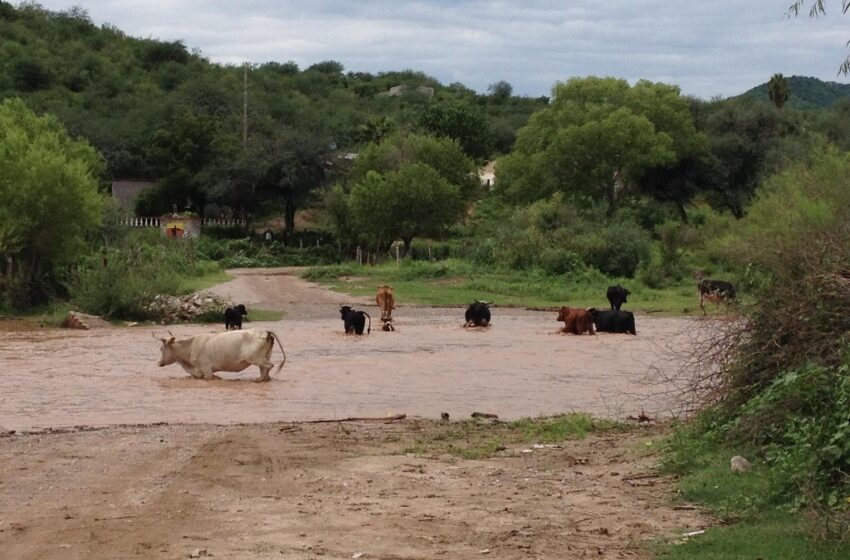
{"type": "Point", "coordinates": [181, 155]}
{"type": "Point", "coordinates": [412, 202]}
{"type": "Point", "coordinates": [500, 91]}
{"type": "Point", "coordinates": [818, 9]}
{"type": "Point", "coordinates": [596, 140]}
{"type": "Point", "coordinates": [747, 142]}
{"type": "Point", "coordinates": [444, 155]}
{"type": "Point", "coordinates": [460, 121]}
{"type": "Point", "coordinates": [49, 189]}
{"type": "Point", "coordinates": [778, 90]}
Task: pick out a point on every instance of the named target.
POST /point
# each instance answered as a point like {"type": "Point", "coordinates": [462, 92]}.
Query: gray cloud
{"type": "Point", "coordinates": [707, 48]}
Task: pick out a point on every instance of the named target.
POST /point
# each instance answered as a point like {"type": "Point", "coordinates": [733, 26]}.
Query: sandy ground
{"type": "Point", "coordinates": [211, 483]}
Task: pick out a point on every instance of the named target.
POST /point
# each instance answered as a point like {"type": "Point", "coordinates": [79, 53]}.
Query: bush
{"type": "Point", "coordinates": [779, 380]}
{"type": "Point", "coordinates": [120, 282]}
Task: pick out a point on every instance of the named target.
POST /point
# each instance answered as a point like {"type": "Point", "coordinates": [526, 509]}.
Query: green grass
{"type": "Point", "coordinates": [212, 274]}
{"type": "Point", "coordinates": [759, 522]}
{"type": "Point", "coordinates": [771, 535]}
{"type": "Point", "coordinates": [458, 283]}
{"type": "Point", "coordinates": [472, 439]}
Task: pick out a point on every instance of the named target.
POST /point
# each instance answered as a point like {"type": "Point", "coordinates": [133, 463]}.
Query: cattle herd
{"type": "Point", "coordinates": [234, 350]}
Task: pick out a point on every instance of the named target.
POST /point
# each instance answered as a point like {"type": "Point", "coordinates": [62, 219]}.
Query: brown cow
{"type": "Point", "coordinates": [386, 303]}
{"type": "Point", "coordinates": [576, 321]}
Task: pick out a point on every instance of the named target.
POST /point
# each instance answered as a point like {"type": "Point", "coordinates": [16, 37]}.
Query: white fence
{"type": "Point", "coordinates": [155, 222]}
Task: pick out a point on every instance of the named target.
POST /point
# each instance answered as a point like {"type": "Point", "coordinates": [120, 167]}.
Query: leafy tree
{"type": "Point", "coordinates": [460, 121]}
{"type": "Point", "coordinates": [443, 155]}
{"type": "Point", "coordinates": [49, 189]}
{"type": "Point", "coordinates": [181, 155]}
{"type": "Point", "coordinates": [596, 139]}
{"type": "Point", "coordinates": [778, 90]}
{"type": "Point", "coordinates": [819, 8]}
{"type": "Point", "coordinates": [298, 166]}
{"type": "Point", "coordinates": [500, 91]}
{"type": "Point", "coordinates": [746, 142]}
{"type": "Point", "coordinates": [412, 202]}
{"type": "Point", "coordinates": [375, 130]}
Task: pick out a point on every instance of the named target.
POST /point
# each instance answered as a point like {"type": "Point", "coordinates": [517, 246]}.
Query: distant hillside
{"type": "Point", "coordinates": [806, 92]}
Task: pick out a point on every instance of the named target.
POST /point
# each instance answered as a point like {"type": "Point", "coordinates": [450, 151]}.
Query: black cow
{"type": "Point", "coordinates": [354, 320]}
{"type": "Point", "coordinates": [478, 314]}
{"type": "Point", "coordinates": [614, 321]}
{"type": "Point", "coordinates": [617, 296]}
{"type": "Point", "coordinates": [233, 317]}
{"type": "Point", "coordinates": [715, 291]}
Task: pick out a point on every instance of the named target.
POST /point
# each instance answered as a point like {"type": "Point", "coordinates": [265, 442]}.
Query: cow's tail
{"type": "Point", "coordinates": [271, 337]}
{"type": "Point", "coordinates": [369, 330]}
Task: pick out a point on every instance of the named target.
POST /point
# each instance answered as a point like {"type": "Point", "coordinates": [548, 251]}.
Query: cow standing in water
{"type": "Point", "coordinates": [478, 314]}
{"type": "Point", "coordinates": [386, 303]}
{"type": "Point", "coordinates": [354, 321]}
{"type": "Point", "coordinates": [617, 296]}
{"type": "Point", "coordinates": [233, 317]}
{"type": "Point", "coordinates": [204, 354]}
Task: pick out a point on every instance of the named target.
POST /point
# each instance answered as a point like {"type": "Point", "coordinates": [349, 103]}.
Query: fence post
{"type": "Point", "coordinates": [397, 259]}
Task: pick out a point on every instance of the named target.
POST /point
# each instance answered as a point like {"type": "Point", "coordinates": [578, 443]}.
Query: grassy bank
{"type": "Point", "coordinates": [757, 518]}
{"type": "Point", "coordinates": [454, 282]}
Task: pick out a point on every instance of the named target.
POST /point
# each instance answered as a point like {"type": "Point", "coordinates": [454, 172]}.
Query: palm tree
{"type": "Point", "coordinates": [778, 90]}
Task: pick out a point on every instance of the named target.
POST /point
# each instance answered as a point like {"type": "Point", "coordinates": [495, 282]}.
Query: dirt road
{"type": "Point", "coordinates": [211, 485]}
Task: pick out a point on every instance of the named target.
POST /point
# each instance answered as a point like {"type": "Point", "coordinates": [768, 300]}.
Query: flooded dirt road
{"type": "Point", "coordinates": [519, 367]}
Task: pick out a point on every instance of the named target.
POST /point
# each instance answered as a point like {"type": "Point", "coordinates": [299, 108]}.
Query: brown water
{"type": "Point", "coordinates": [518, 367]}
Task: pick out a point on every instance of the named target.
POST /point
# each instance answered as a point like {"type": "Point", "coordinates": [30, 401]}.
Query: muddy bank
{"type": "Point", "coordinates": [327, 491]}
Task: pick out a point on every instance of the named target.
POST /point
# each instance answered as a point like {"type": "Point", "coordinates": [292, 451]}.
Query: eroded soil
{"type": "Point", "coordinates": [330, 491]}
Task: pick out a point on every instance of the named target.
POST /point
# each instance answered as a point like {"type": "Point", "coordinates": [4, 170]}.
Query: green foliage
{"type": "Point", "coordinates": [458, 282]}
{"type": "Point", "coordinates": [462, 121]}
{"type": "Point", "coordinates": [119, 282]}
{"type": "Point", "coordinates": [597, 137]}
{"type": "Point", "coordinates": [555, 236]}
{"type": "Point", "coordinates": [806, 93]}
{"type": "Point", "coordinates": [783, 391]}
{"type": "Point", "coordinates": [414, 201]}
{"type": "Point", "coordinates": [49, 189]}
{"type": "Point", "coordinates": [778, 90]}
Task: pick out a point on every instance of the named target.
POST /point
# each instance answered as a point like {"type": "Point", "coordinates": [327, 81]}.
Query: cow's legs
{"type": "Point", "coordinates": [264, 372]}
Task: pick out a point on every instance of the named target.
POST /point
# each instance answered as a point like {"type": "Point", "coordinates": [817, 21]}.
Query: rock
{"type": "Point", "coordinates": [199, 552]}
{"type": "Point", "coordinates": [739, 464]}
{"type": "Point", "coordinates": [444, 415]}
{"type": "Point", "coordinates": [82, 321]}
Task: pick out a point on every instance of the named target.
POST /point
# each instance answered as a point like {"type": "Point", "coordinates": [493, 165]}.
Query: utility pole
{"type": "Point", "coordinates": [245, 109]}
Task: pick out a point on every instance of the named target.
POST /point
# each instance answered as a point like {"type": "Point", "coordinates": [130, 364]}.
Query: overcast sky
{"type": "Point", "coordinates": [708, 48]}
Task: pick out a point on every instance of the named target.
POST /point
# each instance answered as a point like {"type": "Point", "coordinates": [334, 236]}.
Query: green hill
{"type": "Point", "coordinates": [806, 92]}
{"type": "Point", "coordinates": [119, 92]}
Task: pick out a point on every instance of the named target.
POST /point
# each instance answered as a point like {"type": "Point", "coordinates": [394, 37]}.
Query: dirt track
{"type": "Point", "coordinates": [328, 491]}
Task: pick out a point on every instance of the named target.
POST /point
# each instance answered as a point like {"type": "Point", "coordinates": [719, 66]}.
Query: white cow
{"type": "Point", "coordinates": [203, 354]}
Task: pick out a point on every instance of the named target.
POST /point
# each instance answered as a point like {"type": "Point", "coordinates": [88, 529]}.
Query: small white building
{"type": "Point", "coordinates": [487, 175]}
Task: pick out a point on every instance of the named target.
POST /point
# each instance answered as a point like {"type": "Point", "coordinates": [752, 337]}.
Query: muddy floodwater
{"type": "Point", "coordinates": [518, 367]}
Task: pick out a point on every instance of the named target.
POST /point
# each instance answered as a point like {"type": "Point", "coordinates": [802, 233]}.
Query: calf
{"type": "Point", "coordinates": [715, 291]}
{"type": "Point", "coordinates": [576, 321]}
{"type": "Point", "coordinates": [354, 321]}
{"type": "Point", "coordinates": [613, 321]}
{"type": "Point", "coordinates": [204, 354]}
{"type": "Point", "coordinates": [233, 317]}
{"type": "Point", "coordinates": [478, 314]}
{"type": "Point", "coordinates": [617, 296]}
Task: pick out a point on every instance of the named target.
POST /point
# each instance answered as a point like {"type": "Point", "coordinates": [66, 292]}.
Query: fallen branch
{"type": "Point", "coordinates": [360, 419]}
{"type": "Point", "coordinates": [484, 415]}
